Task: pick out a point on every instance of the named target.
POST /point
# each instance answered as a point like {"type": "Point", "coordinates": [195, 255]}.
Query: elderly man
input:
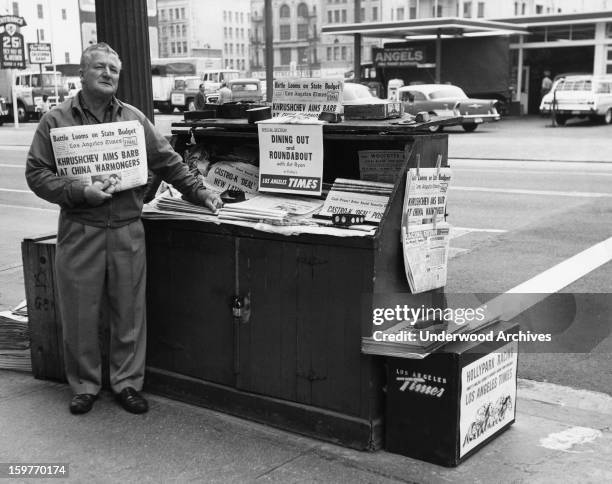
{"type": "Point", "coordinates": [100, 256]}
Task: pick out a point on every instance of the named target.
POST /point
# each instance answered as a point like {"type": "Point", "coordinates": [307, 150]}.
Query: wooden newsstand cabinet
{"type": "Point", "coordinates": [293, 358]}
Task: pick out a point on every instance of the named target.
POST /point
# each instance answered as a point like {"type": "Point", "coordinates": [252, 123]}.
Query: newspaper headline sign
{"type": "Point", "coordinates": [307, 97]}
{"type": "Point", "coordinates": [380, 165]}
{"type": "Point", "coordinates": [110, 155]}
{"type": "Point", "coordinates": [40, 53]}
{"type": "Point", "coordinates": [425, 234]}
{"type": "Point", "coordinates": [290, 158]}
{"type": "Point", "coordinates": [232, 175]}
{"type": "Point", "coordinates": [488, 396]}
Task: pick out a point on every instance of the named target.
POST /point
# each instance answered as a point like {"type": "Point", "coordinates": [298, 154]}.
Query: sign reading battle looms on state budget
{"type": "Point", "coordinates": [12, 52]}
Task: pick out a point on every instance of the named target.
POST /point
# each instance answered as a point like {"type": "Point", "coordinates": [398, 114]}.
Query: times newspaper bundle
{"type": "Point", "coordinates": [424, 231]}
{"type": "Point", "coordinates": [110, 155]}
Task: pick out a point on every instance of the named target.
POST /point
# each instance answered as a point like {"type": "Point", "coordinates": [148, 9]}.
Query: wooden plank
{"type": "Point", "coordinates": [356, 433]}
{"type": "Point", "coordinates": [38, 255]}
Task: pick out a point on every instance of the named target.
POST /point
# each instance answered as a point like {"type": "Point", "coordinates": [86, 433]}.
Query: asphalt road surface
{"type": "Point", "coordinates": [531, 207]}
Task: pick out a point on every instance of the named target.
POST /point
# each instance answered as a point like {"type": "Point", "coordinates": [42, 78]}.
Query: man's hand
{"type": "Point", "coordinates": [95, 194]}
{"type": "Point", "coordinates": [210, 200]}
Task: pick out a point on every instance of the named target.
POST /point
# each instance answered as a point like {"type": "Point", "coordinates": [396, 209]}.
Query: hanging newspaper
{"type": "Point", "coordinates": [425, 234]}
{"type": "Point", "coordinates": [307, 97]}
{"type": "Point", "coordinates": [111, 155]}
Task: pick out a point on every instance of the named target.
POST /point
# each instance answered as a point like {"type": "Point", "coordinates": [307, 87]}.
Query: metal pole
{"type": "Point", "coordinates": [269, 52]}
{"type": "Point", "coordinates": [357, 43]}
{"type": "Point", "coordinates": [438, 55]}
{"type": "Point", "coordinates": [52, 56]}
{"type": "Point", "coordinates": [15, 114]}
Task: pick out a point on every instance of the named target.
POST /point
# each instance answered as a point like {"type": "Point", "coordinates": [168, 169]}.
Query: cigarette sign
{"type": "Point", "coordinates": [40, 53]}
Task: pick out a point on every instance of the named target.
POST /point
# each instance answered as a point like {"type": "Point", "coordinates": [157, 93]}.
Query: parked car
{"type": "Point", "coordinates": [547, 99]}
{"type": "Point", "coordinates": [184, 92]}
{"type": "Point", "coordinates": [448, 100]}
{"type": "Point", "coordinates": [355, 94]}
{"type": "Point", "coordinates": [246, 90]}
{"type": "Point", "coordinates": [582, 96]}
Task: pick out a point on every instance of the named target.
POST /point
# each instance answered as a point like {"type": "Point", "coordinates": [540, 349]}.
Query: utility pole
{"type": "Point", "coordinates": [357, 43]}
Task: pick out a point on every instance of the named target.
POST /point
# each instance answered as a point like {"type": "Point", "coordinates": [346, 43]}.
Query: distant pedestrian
{"type": "Point", "coordinates": [200, 99]}
{"type": "Point", "coordinates": [225, 95]}
{"type": "Point", "coordinates": [546, 83]}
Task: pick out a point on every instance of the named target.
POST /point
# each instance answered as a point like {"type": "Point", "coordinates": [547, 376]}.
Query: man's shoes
{"type": "Point", "coordinates": [82, 403]}
{"type": "Point", "coordinates": [132, 401]}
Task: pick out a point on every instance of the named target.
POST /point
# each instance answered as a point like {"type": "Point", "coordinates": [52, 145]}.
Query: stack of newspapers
{"type": "Point", "coordinates": [272, 209]}
{"type": "Point", "coordinates": [15, 340]}
{"type": "Point", "coordinates": [358, 197]}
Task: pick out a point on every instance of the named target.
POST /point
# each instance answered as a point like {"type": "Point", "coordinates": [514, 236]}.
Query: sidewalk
{"type": "Point", "coordinates": [560, 435]}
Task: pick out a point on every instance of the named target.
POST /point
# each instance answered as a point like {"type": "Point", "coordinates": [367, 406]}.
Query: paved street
{"type": "Point", "coordinates": [525, 198]}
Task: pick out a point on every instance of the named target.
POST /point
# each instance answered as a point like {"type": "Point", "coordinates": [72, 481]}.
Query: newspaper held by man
{"type": "Point", "coordinates": [111, 155]}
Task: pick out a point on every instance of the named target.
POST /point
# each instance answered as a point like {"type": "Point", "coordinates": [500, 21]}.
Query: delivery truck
{"type": "Point", "coordinates": [32, 90]}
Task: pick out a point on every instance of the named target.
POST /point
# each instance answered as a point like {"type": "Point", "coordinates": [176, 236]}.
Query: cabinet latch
{"type": "Point", "coordinates": [241, 308]}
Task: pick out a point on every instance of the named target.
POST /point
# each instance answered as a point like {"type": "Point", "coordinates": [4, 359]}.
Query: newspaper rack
{"type": "Point", "coordinates": [268, 326]}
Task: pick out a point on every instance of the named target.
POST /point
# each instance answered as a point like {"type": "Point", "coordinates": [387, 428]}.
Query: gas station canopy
{"type": "Point", "coordinates": [426, 28]}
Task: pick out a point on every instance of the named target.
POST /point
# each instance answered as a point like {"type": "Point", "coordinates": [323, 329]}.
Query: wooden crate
{"type": "Point", "coordinates": [38, 256]}
{"type": "Point", "coordinates": [444, 408]}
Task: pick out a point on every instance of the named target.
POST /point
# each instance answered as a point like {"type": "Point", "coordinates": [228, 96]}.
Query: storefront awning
{"type": "Point", "coordinates": [426, 28]}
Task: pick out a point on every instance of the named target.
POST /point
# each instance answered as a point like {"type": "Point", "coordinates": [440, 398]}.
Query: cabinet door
{"type": "Point", "coordinates": [303, 339]}
{"type": "Point", "coordinates": [190, 286]}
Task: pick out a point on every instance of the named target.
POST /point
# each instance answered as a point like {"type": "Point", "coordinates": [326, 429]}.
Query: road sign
{"type": "Point", "coordinates": [40, 53]}
{"type": "Point", "coordinates": [12, 53]}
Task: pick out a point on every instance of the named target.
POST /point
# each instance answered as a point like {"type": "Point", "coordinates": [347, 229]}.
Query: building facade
{"type": "Point", "coordinates": [195, 28]}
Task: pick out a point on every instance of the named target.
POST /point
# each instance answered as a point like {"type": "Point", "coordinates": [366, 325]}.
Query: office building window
{"type": "Point", "coordinates": [185, 47]}
{"type": "Point", "coordinates": [412, 12]}
{"type": "Point", "coordinates": [329, 17]}
{"type": "Point", "coordinates": [343, 53]}
{"type": "Point", "coordinates": [285, 32]}
{"type": "Point", "coordinates": [302, 10]}
{"type": "Point", "coordinates": [224, 15]}
{"type": "Point", "coordinates": [329, 53]}
{"type": "Point", "coordinates": [481, 9]}
{"type": "Point", "coordinates": [64, 15]}
{"type": "Point", "coordinates": [183, 12]}
{"type": "Point", "coordinates": [173, 47]}
{"type": "Point", "coordinates": [343, 15]}
{"type": "Point", "coordinates": [41, 34]}
{"type": "Point", "coordinates": [374, 14]}
{"type": "Point", "coordinates": [337, 16]}
{"type": "Point", "coordinates": [467, 9]}
{"type": "Point", "coordinates": [523, 8]}
{"type": "Point", "coordinates": [336, 52]}
{"type": "Point", "coordinates": [67, 57]}
{"type": "Point", "coordinates": [302, 55]}
{"type": "Point", "coordinates": [302, 31]}
{"type": "Point", "coordinates": [39, 9]}
{"type": "Point", "coordinates": [539, 9]}
{"type": "Point", "coordinates": [170, 14]}
{"type": "Point", "coordinates": [362, 14]}
{"type": "Point", "coordinates": [16, 9]}
{"type": "Point", "coordinates": [400, 14]}
{"type": "Point", "coordinates": [285, 56]}
{"type": "Point", "coordinates": [285, 11]}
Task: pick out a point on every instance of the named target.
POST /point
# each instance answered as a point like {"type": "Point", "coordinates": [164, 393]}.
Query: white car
{"type": "Point", "coordinates": [582, 96]}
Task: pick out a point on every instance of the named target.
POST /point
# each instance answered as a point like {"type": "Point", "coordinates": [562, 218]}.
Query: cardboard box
{"type": "Point", "coordinates": [386, 110]}
{"type": "Point", "coordinates": [443, 408]}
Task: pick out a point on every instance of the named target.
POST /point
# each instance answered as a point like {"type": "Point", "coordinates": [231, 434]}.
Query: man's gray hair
{"type": "Point", "coordinates": [101, 47]}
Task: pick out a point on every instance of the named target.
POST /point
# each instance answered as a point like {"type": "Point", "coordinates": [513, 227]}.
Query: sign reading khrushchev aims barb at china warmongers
{"type": "Point", "coordinates": [12, 52]}
{"type": "Point", "coordinates": [291, 143]}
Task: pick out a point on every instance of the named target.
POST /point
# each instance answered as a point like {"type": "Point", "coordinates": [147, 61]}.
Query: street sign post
{"type": "Point", "coordinates": [40, 53]}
